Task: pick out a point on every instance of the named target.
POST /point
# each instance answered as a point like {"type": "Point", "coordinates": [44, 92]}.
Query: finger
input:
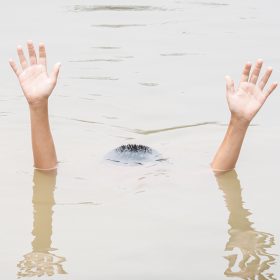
{"type": "Point", "coordinates": [22, 58]}
{"type": "Point", "coordinates": [42, 55]}
{"type": "Point", "coordinates": [265, 78]}
{"type": "Point", "coordinates": [32, 53]}
{"type": "Point", "coordinates": [229, 85]}
{"type": "Point", "coordinates": [271, 89]}
{"type": "Point", "coordinates": [256, 72]}
{"type": "Point", "coordinates": [14, 67]}
{"type": "Point", "coordinates": [246, 72]}
{"type": "Point", "coordinates": [55, 72]}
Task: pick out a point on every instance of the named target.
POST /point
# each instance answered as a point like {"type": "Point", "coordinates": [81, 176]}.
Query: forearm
{"type": "Point", "coordinates": [228, 153]}
{"type": "Point", "coordinates": [42, 142]}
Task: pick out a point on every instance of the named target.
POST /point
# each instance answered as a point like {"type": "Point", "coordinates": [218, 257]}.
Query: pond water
{"type": "Point", "coordinates": [149, 73]}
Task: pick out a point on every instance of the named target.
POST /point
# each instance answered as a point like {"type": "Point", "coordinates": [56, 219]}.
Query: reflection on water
{"type": "Point", "coordinates": [250, 258]}
{"type": "Point", "coordinates": [41, 261]}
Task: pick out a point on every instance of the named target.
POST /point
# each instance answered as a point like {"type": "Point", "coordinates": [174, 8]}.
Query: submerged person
{"type": "Point", "coordinates": [244, 102]}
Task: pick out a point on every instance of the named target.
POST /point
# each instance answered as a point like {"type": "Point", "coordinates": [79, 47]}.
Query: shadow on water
{"type": "Point", "coordinates": [42, 261]}
{"type": "Point", "coordinates": [249, 258]}
{"type": "Point", "coordinates": [117, 8]}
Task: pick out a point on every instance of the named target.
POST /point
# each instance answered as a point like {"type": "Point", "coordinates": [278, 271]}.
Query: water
{"type": "Point", "coordinates": [150, 73]}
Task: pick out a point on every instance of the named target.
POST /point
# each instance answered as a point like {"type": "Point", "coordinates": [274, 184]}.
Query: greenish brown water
{"type": "Point", "coordinates": [151, 73]}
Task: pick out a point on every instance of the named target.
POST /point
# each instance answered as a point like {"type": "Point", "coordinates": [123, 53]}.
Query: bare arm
{"type": "Point", "coordinates": [37, 86]}
{"type": "Point", "coordinates": [244, 103]}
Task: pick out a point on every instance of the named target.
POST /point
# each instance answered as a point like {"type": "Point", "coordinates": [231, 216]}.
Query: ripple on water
{"type": "Point", "coordinates": [4, 114]}
{"type": "Point", "coordinates": [97, 60]}
{"type": "Point", "coordinates": [96, 78]}
{"type": "Point", "coordinates": [149, 84]}
{"type": "Point", "coordinates": [117, 8]}
{"type": "Point", "coordinates": [117, 25]}
{"type": "Point", "coordinates": [215, 4]}
{"type": "Point", "coordinates": [106, 48]}
{"type": "Point", "coordinates": [179, 54]}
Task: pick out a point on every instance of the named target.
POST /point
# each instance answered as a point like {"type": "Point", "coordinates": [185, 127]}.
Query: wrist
{"type": "Point", "coordinates": [239, 122]}
{"type": "Point", "coordinates": [39, 113]}
{"type": "Point", "coordinates": [38, 105]}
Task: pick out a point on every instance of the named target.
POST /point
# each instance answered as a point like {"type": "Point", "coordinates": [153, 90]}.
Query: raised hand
{"type": "Point", "coordinates": [36, 83]}
{"type": "Point", "coordinates": [245, 101]}
{"type": "Point", "coordinates": [37, 86]}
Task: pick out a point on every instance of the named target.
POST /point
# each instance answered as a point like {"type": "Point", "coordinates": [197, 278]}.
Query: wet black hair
{"type": "Point", "coordinates": [133, 154]}
{"type": "Point", "coordinates": [134, 148]}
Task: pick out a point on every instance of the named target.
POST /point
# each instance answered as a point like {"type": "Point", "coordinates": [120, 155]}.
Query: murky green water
{"type": "Point", "coordinates": [151, 73]}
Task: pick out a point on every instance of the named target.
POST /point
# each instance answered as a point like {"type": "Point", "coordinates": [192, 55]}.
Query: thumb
{"type": "Point", "coordinates": [55, 72]}
{"type": "Point", "coordinates": [229, 85]}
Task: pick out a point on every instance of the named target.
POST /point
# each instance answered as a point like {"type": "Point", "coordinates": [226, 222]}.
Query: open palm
{"type": "Point", "coordinates": [35, 82]}
{"type": "Point", "coordinates": [245, 101]}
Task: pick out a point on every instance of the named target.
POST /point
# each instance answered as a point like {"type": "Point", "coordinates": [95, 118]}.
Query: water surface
{"type": "Point", "coordinates": [150, 73]}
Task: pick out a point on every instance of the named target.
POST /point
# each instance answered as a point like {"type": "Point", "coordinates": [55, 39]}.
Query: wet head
{"type": "Point", "coordinates": [133, 154]}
